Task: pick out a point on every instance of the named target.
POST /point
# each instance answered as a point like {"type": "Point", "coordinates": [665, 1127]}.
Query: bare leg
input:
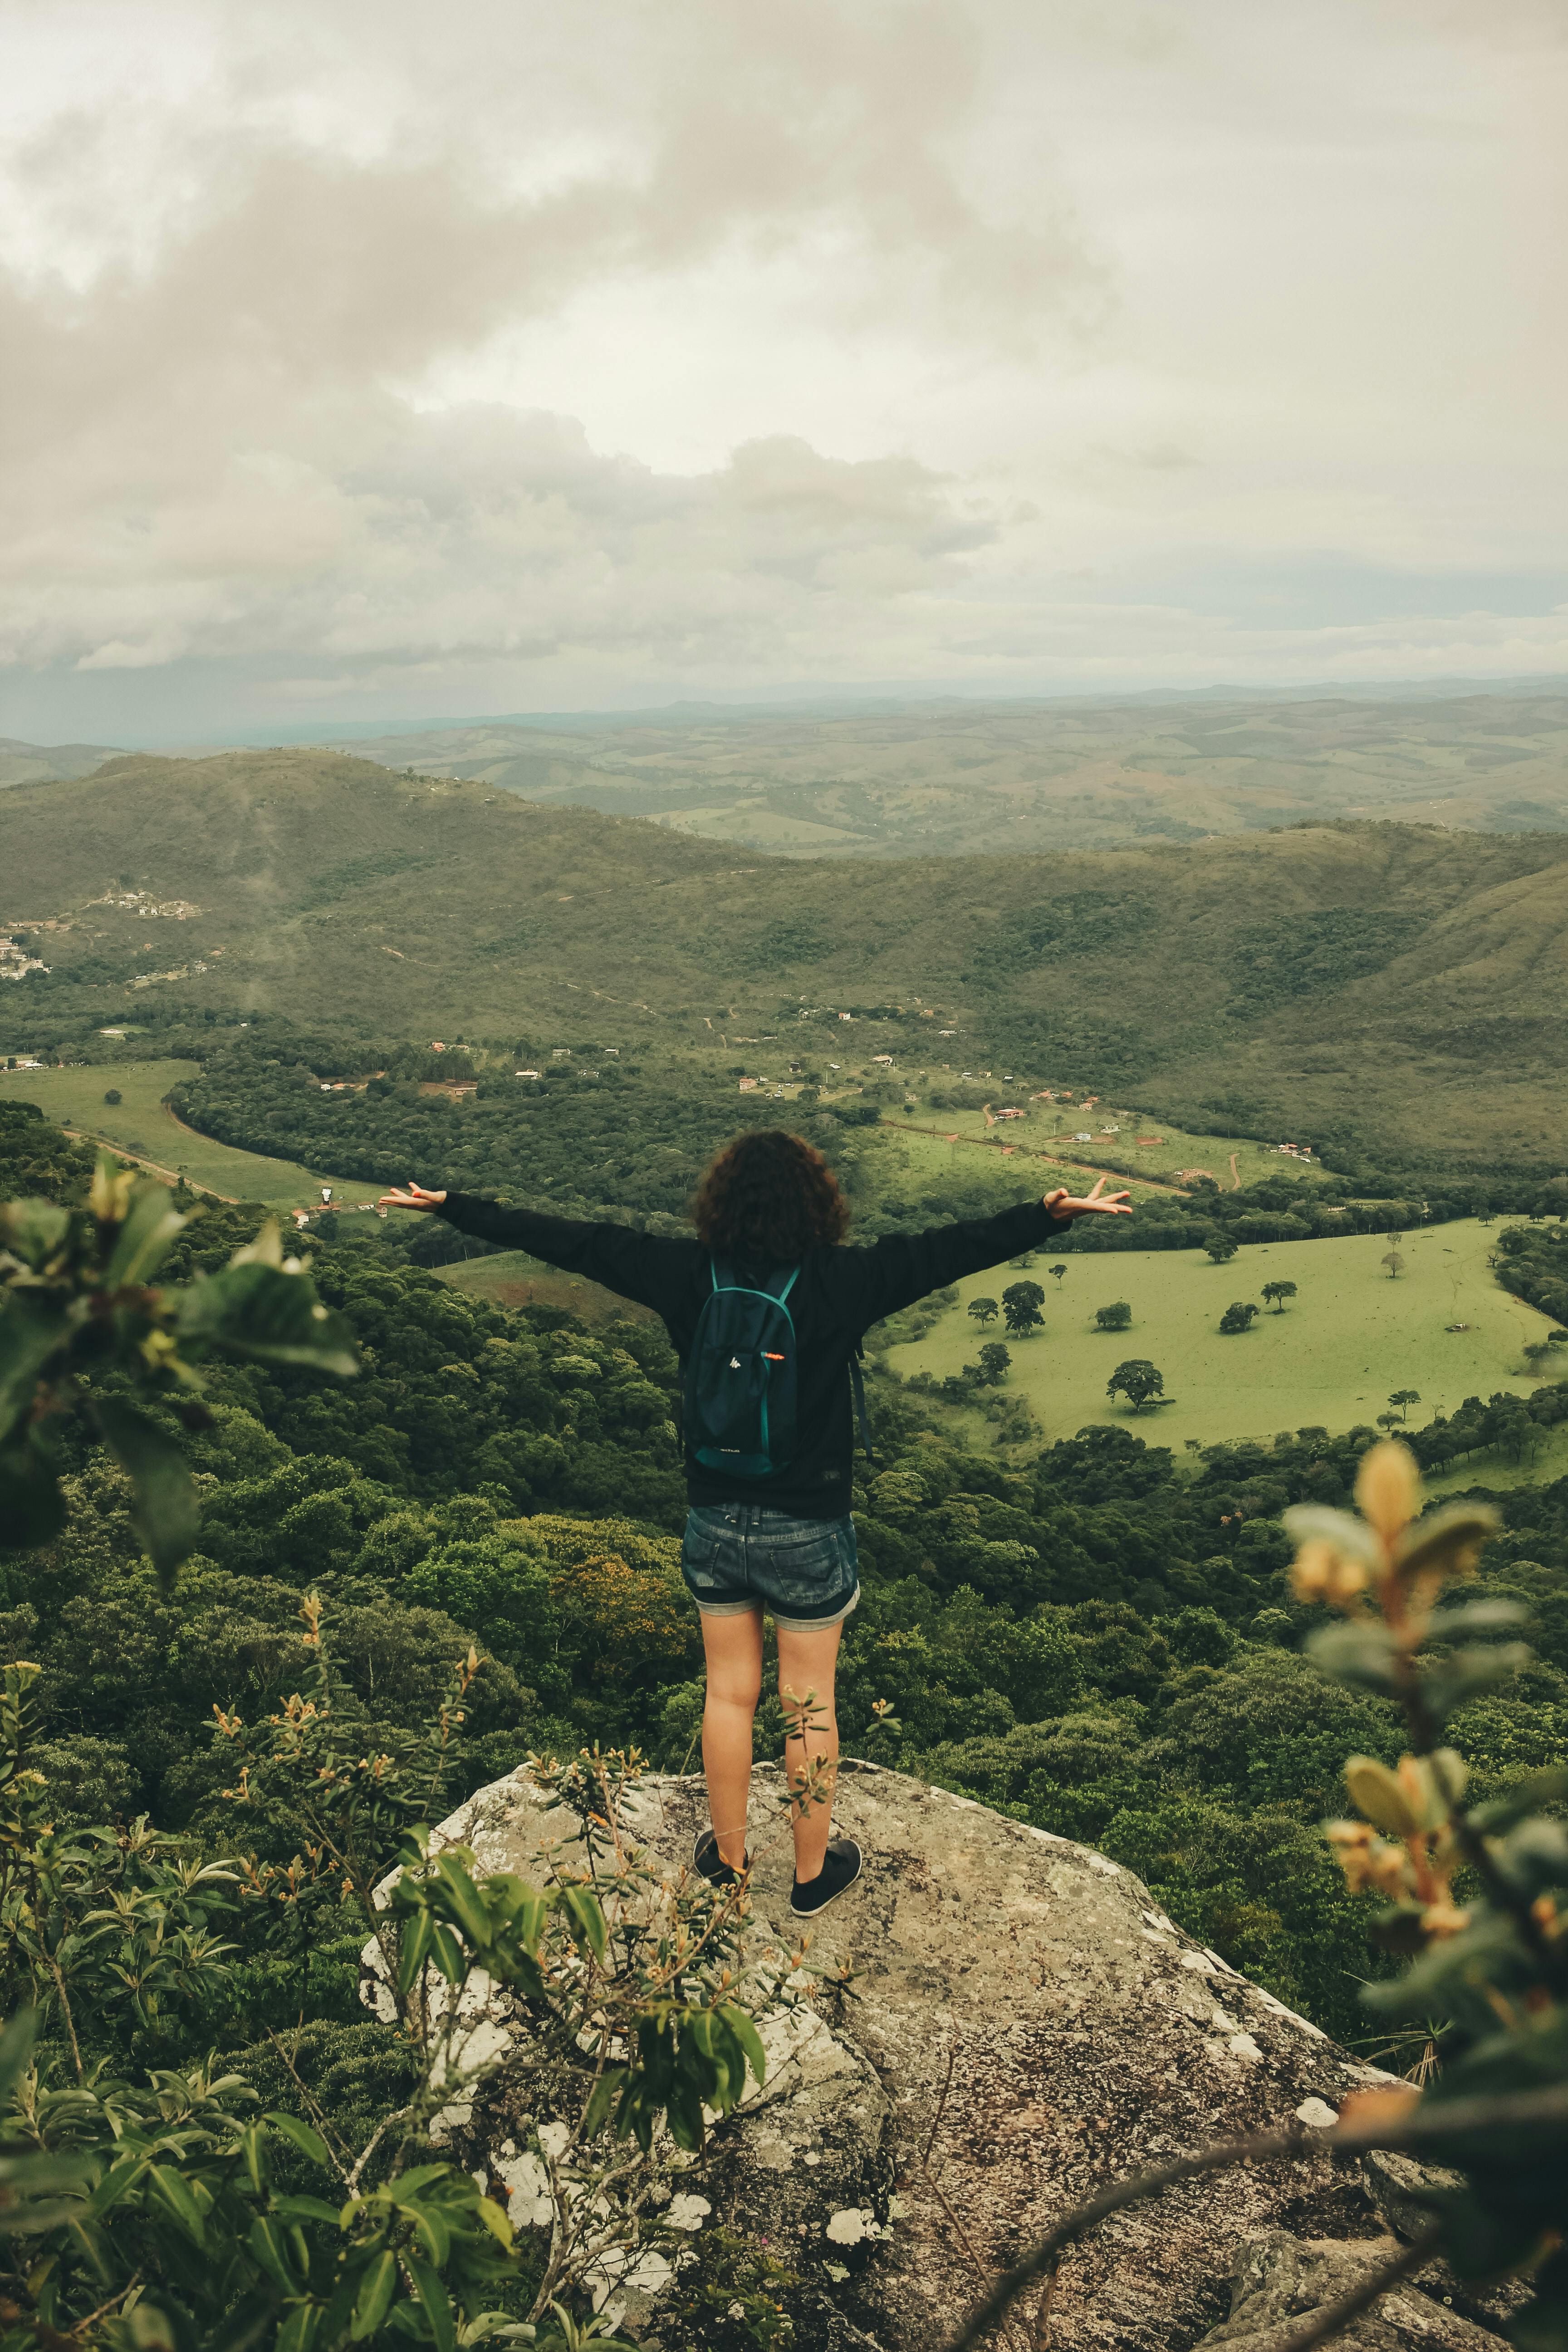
{"type": "Point", "coordinates": [807, 1663]}
{"type": "Point", "coordinates": [733, 1646]}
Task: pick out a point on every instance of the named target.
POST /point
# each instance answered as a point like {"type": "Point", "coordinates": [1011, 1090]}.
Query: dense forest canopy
{"type": "Point", "coordinates": [1096, 1636]}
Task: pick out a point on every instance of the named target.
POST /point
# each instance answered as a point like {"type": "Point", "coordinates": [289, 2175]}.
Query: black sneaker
{"type": "Point", "coordinates": [840, 1868]}
{"type": "Point", "coordinates": [707, 1859]}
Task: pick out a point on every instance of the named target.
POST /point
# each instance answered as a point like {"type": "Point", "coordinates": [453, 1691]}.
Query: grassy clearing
{"type": "Point", "coordinates": [1233, 1161]}
{"type": "Point", "coordinates": [141, 1126]}
{"type": "Point", "coordinates": [928, 1161]}
{"type": "Point", "coordinates": [1342, 1345]}
{"type": "Point", "coordinates": [514, 1279]}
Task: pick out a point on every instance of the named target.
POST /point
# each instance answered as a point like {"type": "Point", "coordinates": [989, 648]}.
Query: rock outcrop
{"type": "Point", "coordinates": [1001, 2022]}
{"type": "Point", "coordinates": [1280, 2283]}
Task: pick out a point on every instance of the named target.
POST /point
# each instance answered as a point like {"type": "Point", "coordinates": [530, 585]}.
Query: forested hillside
{"type": "Point", "coordinates": [1395, 991]}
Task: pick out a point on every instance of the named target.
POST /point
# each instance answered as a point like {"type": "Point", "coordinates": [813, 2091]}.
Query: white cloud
{"type": "Point", "coordinates": [433, 359]}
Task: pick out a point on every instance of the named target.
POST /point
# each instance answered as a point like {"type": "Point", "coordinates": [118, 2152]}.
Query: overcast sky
{"type": "Point", "coordinates": [370, 359]}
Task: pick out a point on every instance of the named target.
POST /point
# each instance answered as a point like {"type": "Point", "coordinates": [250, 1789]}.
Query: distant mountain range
{"type": "Point", "coordinates": [1402, 988]}
{"type": "Point", "coordinates": [964, 777]}
{"type": "Point", "coordinates": [892, 780]}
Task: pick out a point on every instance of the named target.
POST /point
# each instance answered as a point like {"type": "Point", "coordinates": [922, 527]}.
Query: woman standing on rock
{"type": "Point", "coordinates": [767, 1309]}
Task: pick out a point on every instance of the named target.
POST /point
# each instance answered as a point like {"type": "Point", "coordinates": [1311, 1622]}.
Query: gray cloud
{"type": "Point", "coordinates": [525, 356]}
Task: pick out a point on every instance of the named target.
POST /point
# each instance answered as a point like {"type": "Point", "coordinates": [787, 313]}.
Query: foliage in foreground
{"type": "Point", "coordinates": [85, 1331]}
{"type": "Point", "coordinates": [1475, 1898]}
{"type": "Point", "coordinates": [178, 2213]}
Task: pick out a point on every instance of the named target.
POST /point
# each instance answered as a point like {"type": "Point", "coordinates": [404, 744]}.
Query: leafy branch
{"type": "Point", "coordinates": [1473, 1899]}
{"type": "Point", "coordinates": [86, 1332]}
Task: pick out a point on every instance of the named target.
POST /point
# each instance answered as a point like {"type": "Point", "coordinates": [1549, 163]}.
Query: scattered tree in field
{"type": "Point", "coordinates": [1021, 1304]}
{"type": "Point", "coordinates": [1115, 1318]}
{"type": "Point", "coordinates": [985, 1310]}
{"type": "Point", "coordinates": [995, 1359]}
{"type": "Point", "coordinates": [1403, 1397]}
{"type": "Point", "coordinates": [1056, 1272]}
{"type": "Point", "coordinates": [1139, 1381]}
{"type": "Point", "coordinates": [1239, 1315]}
{"type": "Point", "coordinates": [1388, 1420]}
{"type": "Point", "coordinates": [1394, 1264]}
{"type": "Point", "coordinates": [112, 1095]}
{"type": "Point", "coordinates": [1276, 1293]}
{"type": "Point", "coordinates": [1221, 1248]}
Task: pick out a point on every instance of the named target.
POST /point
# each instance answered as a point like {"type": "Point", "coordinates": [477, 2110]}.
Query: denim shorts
{"type": "Point", "coordinates": [738, 1557]}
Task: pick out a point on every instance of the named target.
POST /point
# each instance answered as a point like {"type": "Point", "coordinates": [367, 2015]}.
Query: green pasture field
{"type": "Point", "coordinates": [1348, 1337]}
{"type": "Point", "coordinates": [512, 1278]}
{"type": "Point", "coordinates": [910, 1160]}
{"type": "Point", "coordinates": [143, 1128]}
{"type": "Point", "coordinates": [1043, 1159]}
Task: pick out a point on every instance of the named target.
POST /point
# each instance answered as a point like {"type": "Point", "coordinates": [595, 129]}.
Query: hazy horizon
{"type": "Point", "coordinates": [810, 701]}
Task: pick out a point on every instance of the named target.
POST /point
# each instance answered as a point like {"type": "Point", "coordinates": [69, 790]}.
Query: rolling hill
{"type": "Point", "coordinates": [964, 777]}
{"type": "Point", "coordinates": [1399, 988]}
{"type": "Point", "coordinates": [910, 779]}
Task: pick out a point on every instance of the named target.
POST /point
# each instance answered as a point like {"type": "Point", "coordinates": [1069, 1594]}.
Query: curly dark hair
{"type": "Point", "coordinates": [769, 1197]}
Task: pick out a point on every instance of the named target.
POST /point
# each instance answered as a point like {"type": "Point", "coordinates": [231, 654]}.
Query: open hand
{"type": "Point", "coordinates": [1065, 1208]}
{"type": "Point", "coordinates": [412, 1196]}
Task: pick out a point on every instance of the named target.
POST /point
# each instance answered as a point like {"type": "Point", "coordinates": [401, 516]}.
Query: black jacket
{"type": "Point", "coordinates": [839, 1295]}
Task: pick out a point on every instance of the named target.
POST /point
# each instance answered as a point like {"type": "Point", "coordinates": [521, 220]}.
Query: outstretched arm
{"type": "Point", "coordinates": [895, 1272]}
{"type": "Point", "coordinates": [638, 1265]}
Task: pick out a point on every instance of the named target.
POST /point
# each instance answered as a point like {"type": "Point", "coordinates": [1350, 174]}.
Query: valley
{"type": "Point", "coordinates": [1380, 991]}
{"type": "Point", "coordinates": [295, 967]}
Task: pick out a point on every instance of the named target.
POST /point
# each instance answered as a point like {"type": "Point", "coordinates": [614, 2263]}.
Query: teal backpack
{"type": "Point", "coordinates": [739, 1388]}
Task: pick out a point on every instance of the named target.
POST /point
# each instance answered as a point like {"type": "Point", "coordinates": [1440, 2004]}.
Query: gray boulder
{"type": "Point", "coordinates": [1400, 2189]}
{"type": "Point", "coordinates": [1000, 2021]}
{"type": "Point", "coordinates": [1280, 2282]}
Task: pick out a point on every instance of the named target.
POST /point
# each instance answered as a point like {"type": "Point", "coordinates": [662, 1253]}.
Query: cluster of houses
{"type": "Point", "coordinates": [1295, 1151]}
{"type": "Point", "coordinates": [142, 902]}
{"type": "Point", "coordinates": [15, 962]}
